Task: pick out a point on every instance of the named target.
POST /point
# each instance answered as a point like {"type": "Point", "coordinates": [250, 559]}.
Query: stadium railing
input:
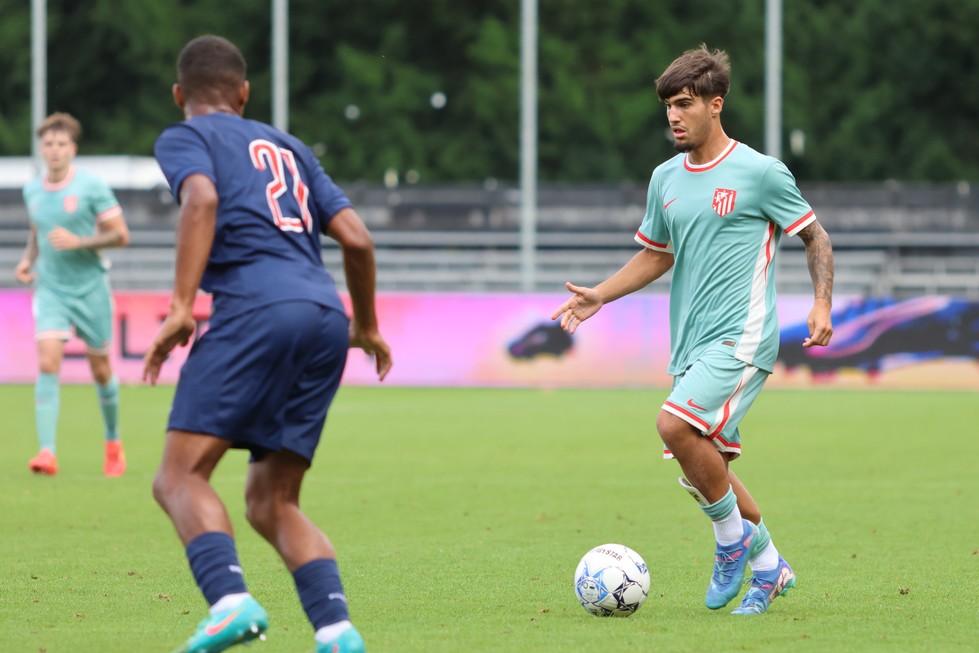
{"type": "Point", "coordinates": [888, 239]}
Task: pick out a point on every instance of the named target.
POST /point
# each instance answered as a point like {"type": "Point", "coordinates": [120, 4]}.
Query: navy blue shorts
{"type": "Point", "coordinates": [264, 379]}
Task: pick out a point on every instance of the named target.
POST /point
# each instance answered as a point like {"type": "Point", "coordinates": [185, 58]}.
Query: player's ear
{"type": "Point", "coordinates": [178, 96]}
{"type": "Point", "coordinates": [243, 93]}
{"type": "Point", "coordinates": [716, 104]}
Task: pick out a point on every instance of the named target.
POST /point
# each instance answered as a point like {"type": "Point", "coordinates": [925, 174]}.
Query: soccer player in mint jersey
{"type": "Point", "coordinates": [74, 215]}
{"type": "Point", "coordinates": [715, 214]}
{"type": "Point", "coordinates": [253, 204]}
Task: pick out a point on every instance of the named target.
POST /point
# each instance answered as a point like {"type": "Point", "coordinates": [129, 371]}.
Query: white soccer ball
{"type": "Point", "coordinates": [611, 581]}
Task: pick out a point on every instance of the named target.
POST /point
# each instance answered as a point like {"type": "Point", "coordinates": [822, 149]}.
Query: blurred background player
{"type": "Point", "coordinates": [253, 203]}
{"type": "Point", "coordinates": [715, 213]}
{"type": "Point", "coordinates": [73, 215]}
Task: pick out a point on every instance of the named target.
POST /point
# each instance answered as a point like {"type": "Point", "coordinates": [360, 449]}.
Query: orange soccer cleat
{"type": "Point", "coordinates": [115, 459]}
{"type": "Point", "coordinates": [44, 463]}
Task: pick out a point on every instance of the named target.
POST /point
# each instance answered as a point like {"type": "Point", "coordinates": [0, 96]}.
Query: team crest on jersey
{"type": "Point", "coordinates": [723, 201]}
{"type": "Point", "coordinates": [71, 203]}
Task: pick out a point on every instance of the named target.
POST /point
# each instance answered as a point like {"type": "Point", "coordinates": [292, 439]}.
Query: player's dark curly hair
{"type": "Point", "coordinates": [704, 72]}
{"type": "Point", "coordinates": [210, 65]}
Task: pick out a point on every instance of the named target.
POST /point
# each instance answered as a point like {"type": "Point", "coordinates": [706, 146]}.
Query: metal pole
{"type": "Point", "coordinates": [528, 144]}
{"type": "Point", "coordinates": [280, 64]}
{"type": "Point", "coordinates": [773, 78]}
{"type": "Point", "coordinates": [39, 74]}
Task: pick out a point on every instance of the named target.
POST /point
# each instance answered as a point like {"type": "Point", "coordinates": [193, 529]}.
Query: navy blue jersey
{"type": "Point", "coordinates": [274, 201]}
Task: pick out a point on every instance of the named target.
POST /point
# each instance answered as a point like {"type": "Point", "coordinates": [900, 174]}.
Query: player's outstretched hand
{"type": "Point", "coordinates": [374, 344]}
{"type": "Point", "coordinates": [176, 330]}
{"type": "Point", "coordinates": [61, 238]}
{"type": "Point", "coordinates": [24, 273]}
{"type": "Point", "coordinates": [584, 303]}
{"type": "Point", "coordinates": [820, 324]}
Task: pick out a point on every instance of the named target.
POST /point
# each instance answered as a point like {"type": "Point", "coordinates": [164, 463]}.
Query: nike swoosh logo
{"type": "Point", "coordinates": [693, 405]}
{"type": "Point", "coordinates": [670, 202]}
{"type": "Point", "coordinates": [221, 625]}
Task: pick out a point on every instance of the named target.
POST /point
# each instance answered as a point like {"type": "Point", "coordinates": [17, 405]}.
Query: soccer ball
{"type": "Point", "coordinates": [611, 581]}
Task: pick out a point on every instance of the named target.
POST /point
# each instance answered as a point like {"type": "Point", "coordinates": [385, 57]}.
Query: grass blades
{"type": "Point", "coordinates": [459, 516]}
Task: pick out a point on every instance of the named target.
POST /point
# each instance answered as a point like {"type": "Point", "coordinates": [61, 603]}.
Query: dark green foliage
{"type": "Point", "coordinates": [880, 89]}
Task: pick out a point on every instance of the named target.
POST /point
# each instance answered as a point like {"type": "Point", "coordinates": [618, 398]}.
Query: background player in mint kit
{"type": "Point", "coordinates": [253, 203]}
{"type": "Point", "coordinates": [715, 214]}
{"type": "Point", "coordinates": [73, 216]}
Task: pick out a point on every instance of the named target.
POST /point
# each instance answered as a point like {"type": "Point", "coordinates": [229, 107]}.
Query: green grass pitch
{"type": "Point", "coordinates": [460, 515]}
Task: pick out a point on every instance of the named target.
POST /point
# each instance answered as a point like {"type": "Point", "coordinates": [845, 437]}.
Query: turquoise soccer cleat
{"type": "Point", "coordinates": [349, 641]}
{"type": "Point", "coordinates": [765, 586]}
{"type": "Point", "coordinates": [730, 565]}
{"type": "Point", "coordinates": [242, 623]}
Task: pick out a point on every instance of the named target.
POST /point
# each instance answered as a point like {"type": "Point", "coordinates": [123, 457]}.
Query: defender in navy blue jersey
{"type": "Point", "coordinates": [253, 203]}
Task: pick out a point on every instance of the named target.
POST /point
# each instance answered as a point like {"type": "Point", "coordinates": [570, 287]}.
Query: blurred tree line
{"type": "Point", "coordinates": [879, 89]}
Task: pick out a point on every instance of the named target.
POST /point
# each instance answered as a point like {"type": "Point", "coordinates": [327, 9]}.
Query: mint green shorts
{"type": "Point", "coordinates": [57, 314]}
{"type": "Point", "coordinates": [713, 395]}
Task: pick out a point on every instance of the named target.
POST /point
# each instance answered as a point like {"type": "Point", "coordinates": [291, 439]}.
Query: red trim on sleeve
{"type": "Point", "coordinates": [643, 238]}
{"type": "Point", "coordinates": [109, 213]}
{"type": "Point", "coordinates": [798, 223]}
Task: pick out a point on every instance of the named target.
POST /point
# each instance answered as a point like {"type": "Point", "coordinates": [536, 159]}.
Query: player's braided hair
{"type": "Point", "coordinates": [703, 72]}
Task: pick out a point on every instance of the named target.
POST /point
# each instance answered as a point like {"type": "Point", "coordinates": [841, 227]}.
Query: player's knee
{"type": "Point", "coordinates": [261, 512]}
{"type": "Point", "coordinates": [672, 429]}
{"type": "Point", "coordinates": [170, 485]}
{"type": "Point", "coordinates": [162, 488]}
{"type": "Point", "coordinates": [49, 364]}
{"type": "Point", "coordinates": [102, 374]}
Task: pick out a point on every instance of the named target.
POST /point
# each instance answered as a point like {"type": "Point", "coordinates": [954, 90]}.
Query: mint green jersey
{"type": "Point", "coordinates": [722, 221]}
{"type": "Point", "coordinates": [78, 204]}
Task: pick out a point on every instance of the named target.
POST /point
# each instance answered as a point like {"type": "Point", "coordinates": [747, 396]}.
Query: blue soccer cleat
{"type": "Point", "coordinates": [349, 641]}
{"type": "Point", "coordinates": [242, 623]}
{"type": "Point", "coordinates": [765, 586]}
{"type": "Point", "coordinates": [730, 565]}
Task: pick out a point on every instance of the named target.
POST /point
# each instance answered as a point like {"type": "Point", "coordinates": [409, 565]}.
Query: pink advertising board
{"type": "Point", "coordinates": [445, 339]}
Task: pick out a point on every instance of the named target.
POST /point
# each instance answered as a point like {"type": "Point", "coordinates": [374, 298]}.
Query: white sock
{"type": "Point", "coordinates": [766, 560]}
{"type": "Point", "coordinates": [229, 601]}
{"type": "Point", "coordinates": [730, 529]}
{"type": "Point", "coordinates": [329, 633]}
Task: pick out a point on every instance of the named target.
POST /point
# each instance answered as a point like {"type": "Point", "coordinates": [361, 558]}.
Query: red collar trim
{"type": "Point", "coordinates": [710, 164]}
{"type": "Point", "coordinates": [50, 186]}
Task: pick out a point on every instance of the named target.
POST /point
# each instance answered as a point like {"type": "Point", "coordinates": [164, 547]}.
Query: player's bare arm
{"type": "Point", "coordinates": [640, 271]}
{"type": "Point", "coordinates": [819, 254]}
{"type": "Point", "coordinates": [355, 240]}
{"type": "Point", "coordinates": [112, 232]}
{"type": "Point", "coordinates": [195, 235]}
{"type": "Point", "coordinates": [24, 271]}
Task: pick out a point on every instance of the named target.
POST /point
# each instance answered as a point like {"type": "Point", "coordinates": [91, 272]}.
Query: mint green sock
{"type": "Point", "coordinates": [763, 538]}
{"type": "Point", "coordinates": [47, 405]}
{"type": "Point", "coordinates": [725, 518]}
{"type": "Point", "coordinates": [109, 402]}
{"type": "Point", "coordinates": [722, 507]}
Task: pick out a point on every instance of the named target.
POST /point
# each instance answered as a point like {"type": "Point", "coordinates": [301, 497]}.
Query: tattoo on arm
{"type": "Point", "coordinates": [819, 254]}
